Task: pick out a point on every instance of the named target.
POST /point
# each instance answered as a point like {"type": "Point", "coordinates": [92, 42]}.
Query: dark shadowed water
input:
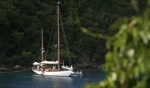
{"type": "Point", "coordinates": [28, 79]}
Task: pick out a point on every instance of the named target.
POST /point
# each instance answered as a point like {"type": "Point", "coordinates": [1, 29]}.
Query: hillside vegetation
{"type": "Point", "coordinates": [22, 20]}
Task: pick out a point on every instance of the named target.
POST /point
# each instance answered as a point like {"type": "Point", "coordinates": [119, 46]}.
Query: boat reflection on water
{"type": "Point", "coordinates": [52, 81]}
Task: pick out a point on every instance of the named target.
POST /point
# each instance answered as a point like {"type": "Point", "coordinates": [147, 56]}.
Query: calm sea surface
{"type": "Point", "coordinates": [28, 79]}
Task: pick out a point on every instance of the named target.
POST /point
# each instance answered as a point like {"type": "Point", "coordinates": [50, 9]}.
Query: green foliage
{"type": "Point", "coordinates": [97, 16]}
{"type": "Point", "coordinates": [127, 61]}
{"type": "Point", "coordinates": [24, 59]}
{"type": "Point", "coordinates": [65, 54]}
{"type": "Point", "coordinates": [22, 20]}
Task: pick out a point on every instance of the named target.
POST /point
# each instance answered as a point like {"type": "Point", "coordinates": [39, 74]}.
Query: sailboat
{"type": "Point", "coordinates": [53, 68]}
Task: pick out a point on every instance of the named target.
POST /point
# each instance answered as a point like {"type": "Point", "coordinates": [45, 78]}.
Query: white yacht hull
{"type": "Point", "coordinates": [53, 73]}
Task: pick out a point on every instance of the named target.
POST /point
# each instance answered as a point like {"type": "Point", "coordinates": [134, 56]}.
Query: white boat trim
{"type": "Point", "coordinates": [53, 73]}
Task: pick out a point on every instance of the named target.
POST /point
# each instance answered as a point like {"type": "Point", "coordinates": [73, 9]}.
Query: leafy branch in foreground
{"type": "Point", "coordinates": [127, 62]}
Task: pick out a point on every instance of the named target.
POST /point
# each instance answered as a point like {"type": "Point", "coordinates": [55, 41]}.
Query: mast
{"type": "Point", "coordinates": [42, 49]}
{"type": "Point", "coordinates": [58, 18]}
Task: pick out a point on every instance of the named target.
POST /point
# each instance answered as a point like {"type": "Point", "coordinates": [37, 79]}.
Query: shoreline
{"type": "Point", "coordinates": [14, 71]}
{"type": "Point", "coordinates": [20, 69]}
{"type": "Point", "coordinates": [7, 70]}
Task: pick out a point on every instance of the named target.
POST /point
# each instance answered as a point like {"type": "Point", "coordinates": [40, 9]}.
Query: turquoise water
{"type": "Point", "coordinates": [28, 79]}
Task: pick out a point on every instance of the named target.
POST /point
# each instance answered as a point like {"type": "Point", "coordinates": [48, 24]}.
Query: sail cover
{"type": "Point", "coordinates": [36, 63]}
{"type": "Point", "coordinates": [49, 62]}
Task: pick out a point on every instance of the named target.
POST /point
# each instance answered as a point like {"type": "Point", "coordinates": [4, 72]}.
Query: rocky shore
{"type": "Point", "coordinates": [16, 68]}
